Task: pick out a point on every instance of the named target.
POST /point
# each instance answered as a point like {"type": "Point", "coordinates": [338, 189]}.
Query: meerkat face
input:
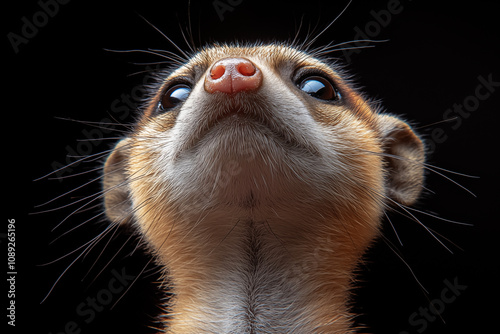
{"type": "Point", "coordinates": [252, 126]}
{"type": "Point", "coordinates": [244, 161]}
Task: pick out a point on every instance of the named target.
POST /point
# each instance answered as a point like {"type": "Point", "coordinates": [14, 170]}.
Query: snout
{"type": "Point", "coordinates": [233, 75]}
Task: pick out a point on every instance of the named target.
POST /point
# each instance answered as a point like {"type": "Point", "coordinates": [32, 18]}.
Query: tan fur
{"type": "Point", "coordinates": [260, 220]}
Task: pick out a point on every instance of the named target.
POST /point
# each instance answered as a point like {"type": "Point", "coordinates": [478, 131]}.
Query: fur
{"type": "Point", "coordinates": [260, 216]}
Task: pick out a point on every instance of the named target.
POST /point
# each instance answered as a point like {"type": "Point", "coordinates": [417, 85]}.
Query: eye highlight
{"type": "Point", "coordinates": [319, 87]}
{"type": "Point", "coordinates": [174, 96]}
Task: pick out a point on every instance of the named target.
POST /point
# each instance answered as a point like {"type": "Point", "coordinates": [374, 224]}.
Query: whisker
{"type": "Point", "coordinates": [451, 180]}
{"type": "Point", "coordinates": [147, 71]}
{"type": "Point", "coordinates": [66, 255]}
{"type": "Point", "coordinates": [451, 172]}
{"type": "Point", "coordinates": [100, 254]}
{"type": "Point", "coordinates": [421, 224]}
{"type": "Point", "coordinates": [79, 187]}
{"type": "Point", "coordinates": [191, 45]}
{"type": "Point", "coordinates": [393, 228]}
{"type": "Point", "coordinates": [186, 56]}
{"type": "Point", "coordinates": [296, 37]}
{"type": "Point", "coordinates": [447, 239]}
{"type": "Point", "coordinates": [109, 262]}
{"type": "Point", "coordinates": [71, 164]}
{"type": "Point", "coordinates": [328, 26]}
{"type": "Point", "coordinates": [98, 139]}
{"type": "Point", "coordinates": [171, 55]}
{"type": "Point", "coordinates": [96, 196]}
{"type": "Point", "coordinates": [66, 193]}
{"type": "Point", "coordinates": [330, 48]}
{"type": "Point", "coordinates": [428, 190]}
{"type": "Point", "coordinates": [185, 38]}
{"type": "Point", "coordinates": [94, 240]}
{"type": "Point", "coordinates": [117, 223]}
{"type": "Point", "coordinates": [348, 48]}
{"type": "Point", "coordinates": [150, 63]}
{"type": "Point", "coordinates": [77, 226]}
{"type": "Point", "coordinates": [429, 167]}
{"type": "Point", "coordinates": [440, 218]}
{"type": "Point", "coordinates": [99, 125]}
{"type": "Point", "coordinates": [142, 271]}
{"type": "Point", "coordinates": [132, 283]}
{"type": "Point", "coordinates": [436, 123]}
{"type": "Point", "coordinates": [112, 227]}
{"type": "Point", "coordinates": [393, 248]}
{"type": "Point", "coordinates": [174, 60]}
{"type": "Point", "coordinates": [411, 216]}
{"type": "Point", "coordinates": [419, 162]}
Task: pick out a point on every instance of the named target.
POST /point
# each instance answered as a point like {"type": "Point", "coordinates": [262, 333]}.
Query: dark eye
{"type": "Point", "coordinates": [319, 88]}
{"type": "Point", "coordinates": [175, 95]}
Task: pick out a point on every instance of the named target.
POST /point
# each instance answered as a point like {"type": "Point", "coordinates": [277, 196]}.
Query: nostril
{"type": "Point", "coordinates": [233, 75]}
{"type": "Point", "coordinates": [217, 71]}
{"type": "Point", "coordinates": [246, 68]}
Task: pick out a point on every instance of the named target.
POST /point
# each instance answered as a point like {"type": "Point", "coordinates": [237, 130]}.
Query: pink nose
{"type": "Point", "coordinates": [233, 75]}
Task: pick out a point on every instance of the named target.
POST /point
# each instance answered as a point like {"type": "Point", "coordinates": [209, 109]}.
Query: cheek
{"type": "Point", "coordinates": [358, 149]}
{"type": "Point", "coordinates": [146, 158]}
{"type": "Point", "coordinates": [158, 123]}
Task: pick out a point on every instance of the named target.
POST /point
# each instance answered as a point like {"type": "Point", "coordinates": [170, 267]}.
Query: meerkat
{"type": "Point", "coordinates": [258, 176]}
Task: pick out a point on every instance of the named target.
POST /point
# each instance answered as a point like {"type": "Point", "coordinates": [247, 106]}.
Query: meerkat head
{"type": "Point", "coordinates": [256, 156]}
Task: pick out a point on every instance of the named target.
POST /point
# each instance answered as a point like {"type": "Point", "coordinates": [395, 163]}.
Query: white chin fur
{"type": "Point", "coordinates": [234, 163]}
{"type": "Point", "coordinates": [263, 151]}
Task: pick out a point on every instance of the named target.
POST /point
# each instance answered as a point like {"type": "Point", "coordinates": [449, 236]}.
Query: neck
{"type": "Point", "coordinates": [257, 275]}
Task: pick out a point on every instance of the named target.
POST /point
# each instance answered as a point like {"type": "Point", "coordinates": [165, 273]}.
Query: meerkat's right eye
{"type": "Point", "coordinates": [319, 87]}
{"type": "Point", "coordinates": [174, 96]}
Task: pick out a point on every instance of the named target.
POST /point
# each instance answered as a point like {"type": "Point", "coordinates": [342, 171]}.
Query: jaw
{"type": "Point", "coordinates": [258, 156]}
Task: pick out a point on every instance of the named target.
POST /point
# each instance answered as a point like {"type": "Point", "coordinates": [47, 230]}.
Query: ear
{"type": "Point", "coordinates": [115, 186]}
{"type": "Point", "coordinates": [404, 158]}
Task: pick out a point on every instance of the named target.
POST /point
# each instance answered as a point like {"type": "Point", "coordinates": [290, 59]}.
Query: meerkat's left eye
{"type": "Point", "coordinates": [319, 88]}
{"type": "Point", "coordinates": [174, 96]}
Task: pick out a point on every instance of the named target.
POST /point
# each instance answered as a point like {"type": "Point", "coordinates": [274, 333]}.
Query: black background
{"type": "Point", "coordinates": [432, 60]}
